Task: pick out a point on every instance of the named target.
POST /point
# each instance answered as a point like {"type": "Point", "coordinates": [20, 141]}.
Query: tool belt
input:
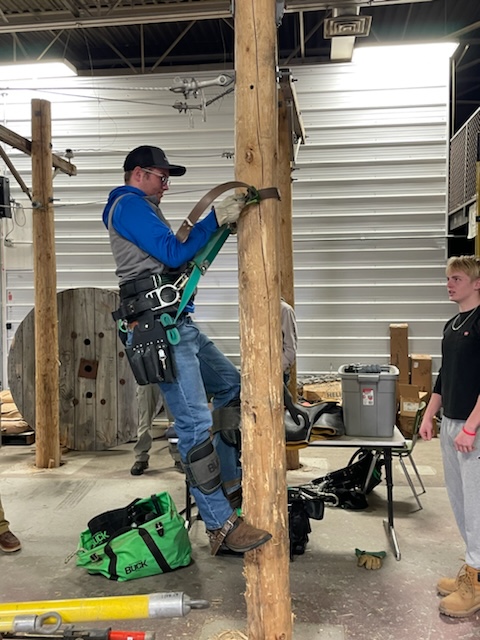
{"type": "Point", "coordinates": [149, 352]}
{"type": "Point", "coordinates": [148, 306]}
{"type": "Point", "coordinates": [151, 293]}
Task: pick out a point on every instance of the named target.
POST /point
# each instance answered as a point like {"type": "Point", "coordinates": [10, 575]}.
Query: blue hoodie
{"type": "Point", "coordinates": [134, 219]}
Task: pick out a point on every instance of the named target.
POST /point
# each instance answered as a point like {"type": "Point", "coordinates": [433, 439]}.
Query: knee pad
{"type": "Point", "coordinates": [226, 422]}
{"type": "Point", "coordinates": [202, 467]}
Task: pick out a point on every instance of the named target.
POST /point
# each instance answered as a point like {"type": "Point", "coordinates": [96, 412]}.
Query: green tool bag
{"type": "Point", "coordinates": [145, 538]}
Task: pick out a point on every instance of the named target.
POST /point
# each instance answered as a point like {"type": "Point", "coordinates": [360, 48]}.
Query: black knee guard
{"type": "Point", "coordinates": [202, 467]}
{"type": "Point", "coordinates": [226, 421]}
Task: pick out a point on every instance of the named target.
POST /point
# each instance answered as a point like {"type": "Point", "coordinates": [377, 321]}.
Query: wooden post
{"type": "Point", "coordinates": [286, 239]}
{"type": "Point", "coordinates": [263, 434]}
{"type": "Point", "coordinates": [45, 280]}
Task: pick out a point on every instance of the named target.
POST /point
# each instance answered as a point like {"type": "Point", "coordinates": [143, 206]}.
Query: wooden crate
{"type": "Point", "coordinates": [323, 392]}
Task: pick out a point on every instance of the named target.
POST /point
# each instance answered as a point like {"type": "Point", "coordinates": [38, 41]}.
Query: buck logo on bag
{"type": "Point", "coordinates": [136, 567]}
{"type": "Point", "coordinates": [145, 538]}
{"type": "Point", "coordinates": [101, 536]}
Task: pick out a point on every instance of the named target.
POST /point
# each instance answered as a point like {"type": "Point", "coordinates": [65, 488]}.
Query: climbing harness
{"type": "Point", "coordinates": [151, 314]}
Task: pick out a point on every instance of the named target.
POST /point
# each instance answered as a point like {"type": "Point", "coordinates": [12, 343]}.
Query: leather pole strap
{"type": "Point", "coordinates": [186, 226]}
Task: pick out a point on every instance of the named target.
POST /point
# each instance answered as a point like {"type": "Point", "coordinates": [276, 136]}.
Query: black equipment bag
{"type": "Point", "coordinates": [353, 483]}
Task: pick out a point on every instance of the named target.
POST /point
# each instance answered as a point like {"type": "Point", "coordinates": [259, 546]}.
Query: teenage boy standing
{"type": "Point", "coordinates": [457, 390]}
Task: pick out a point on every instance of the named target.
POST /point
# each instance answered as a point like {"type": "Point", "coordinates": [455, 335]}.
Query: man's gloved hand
{"type": "Point", "coordinates": [369, 559]}
{"type": "Point", "coordinates": [228, 210]}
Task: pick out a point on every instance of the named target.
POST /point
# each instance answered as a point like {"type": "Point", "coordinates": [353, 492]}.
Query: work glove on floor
{"type": "Point", "coordinates": [369, 559]}
{"type": "Point", "coordinates": [229, 209]}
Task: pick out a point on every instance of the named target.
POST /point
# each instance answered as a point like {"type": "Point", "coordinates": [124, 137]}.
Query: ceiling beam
{"type": "Point", "coordinates": [291, 6]}
{"type": "Point", "coordinates": [120, 17]}
{"type": "Point", "coordinates": [173, 45]}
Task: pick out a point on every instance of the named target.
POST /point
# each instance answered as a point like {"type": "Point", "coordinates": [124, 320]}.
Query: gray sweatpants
{"type": "Point", "coordinates": [462, 480]}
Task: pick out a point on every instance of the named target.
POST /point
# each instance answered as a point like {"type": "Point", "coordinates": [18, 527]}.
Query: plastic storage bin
{"type": "Point", "coordinates": [368, 399]}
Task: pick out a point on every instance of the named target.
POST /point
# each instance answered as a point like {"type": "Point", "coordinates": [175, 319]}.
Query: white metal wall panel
{"type": "Point", "coordinates": [369, 200]}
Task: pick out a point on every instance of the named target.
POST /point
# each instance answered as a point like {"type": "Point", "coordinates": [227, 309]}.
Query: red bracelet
{"type": "Point", "coordinates": [469, 433]}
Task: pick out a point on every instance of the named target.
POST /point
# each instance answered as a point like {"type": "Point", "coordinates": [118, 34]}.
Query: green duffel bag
{"type": "Point", "coordinates": [145, 538]}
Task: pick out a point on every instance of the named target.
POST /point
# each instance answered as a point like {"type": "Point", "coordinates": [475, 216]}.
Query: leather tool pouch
{"type": "Point", "coordinates": [149, 352]}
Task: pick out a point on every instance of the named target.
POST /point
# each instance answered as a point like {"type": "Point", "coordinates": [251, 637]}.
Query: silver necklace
{"type": "Point", "coordinates": [464, 321]}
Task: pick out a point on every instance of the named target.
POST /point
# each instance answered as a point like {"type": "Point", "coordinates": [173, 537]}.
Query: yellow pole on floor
{"type": "Point", "coordinates": [153, 605]}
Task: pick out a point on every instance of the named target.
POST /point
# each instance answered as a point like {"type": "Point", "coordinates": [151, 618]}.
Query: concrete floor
{"type": "Point", "coordinates": [332, 598]}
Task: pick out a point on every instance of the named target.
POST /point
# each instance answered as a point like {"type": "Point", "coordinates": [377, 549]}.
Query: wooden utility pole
{"type": "Point", "coordinates": [45, 282]}
{"type": "Point", "coordinates": [286, 238]}
{"type": "Point", "coordinates": [263, 434]}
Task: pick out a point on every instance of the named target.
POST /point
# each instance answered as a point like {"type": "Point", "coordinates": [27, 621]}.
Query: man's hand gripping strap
{"type": "Point", "coordinates": [253, 196]}
{"type": "Point", "coordinates": [202, 467]}
{"type": "Point", "coordinates": [149, 352]}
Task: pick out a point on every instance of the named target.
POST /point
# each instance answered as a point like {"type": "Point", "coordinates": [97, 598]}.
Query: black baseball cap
{"type": "Point", "coordinates": [147, 156]}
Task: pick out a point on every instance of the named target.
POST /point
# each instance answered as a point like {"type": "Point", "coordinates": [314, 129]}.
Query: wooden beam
{"type": "Point", "coordinates": [23, 144]}
{"type": "Point", "coordinates": [286, 240]}
{"type": "Point", "coordinates": [263, 433]}
{"type": "Point", "coordinates": [14, 172]}
{"type": "Point", "coordinates": [47, 452]}
{"type": "Point", "coordinates": [297, 129]}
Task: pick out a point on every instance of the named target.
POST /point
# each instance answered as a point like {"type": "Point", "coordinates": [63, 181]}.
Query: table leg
{"type": "Point", "coordinates": [389, 523]}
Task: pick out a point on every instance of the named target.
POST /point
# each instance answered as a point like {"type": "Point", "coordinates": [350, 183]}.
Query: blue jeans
{"type": "Point", "coordinates": [202, 369]}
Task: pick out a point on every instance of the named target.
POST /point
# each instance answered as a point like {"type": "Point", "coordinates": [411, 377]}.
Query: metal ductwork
{"type": "Point", "coordinates": [343, 27]}
{"type": "Point", "coordinates": [345, 23]}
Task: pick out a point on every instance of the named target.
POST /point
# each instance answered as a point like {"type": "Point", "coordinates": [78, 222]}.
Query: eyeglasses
{"type": "Point", "coordinates": [165, 180]}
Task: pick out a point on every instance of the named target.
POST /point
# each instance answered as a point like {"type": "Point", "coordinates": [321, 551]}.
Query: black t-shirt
{"type": "Point", "coordinates": [458, 381]}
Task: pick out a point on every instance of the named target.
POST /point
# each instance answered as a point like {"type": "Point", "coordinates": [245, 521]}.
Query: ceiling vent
{"type": "Point", "coordinates": [347, 26]}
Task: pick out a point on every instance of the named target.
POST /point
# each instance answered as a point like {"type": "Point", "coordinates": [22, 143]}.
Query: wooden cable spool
{"type": "Point", "coordinates": [98, 409]}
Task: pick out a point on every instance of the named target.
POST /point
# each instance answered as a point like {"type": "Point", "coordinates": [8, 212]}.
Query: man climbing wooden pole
{"type": "Point", "coordinates": [263, 435]}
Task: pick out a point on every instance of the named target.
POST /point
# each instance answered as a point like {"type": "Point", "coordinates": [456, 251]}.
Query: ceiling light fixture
{"type": "Point", "coordinates": [36, 70]}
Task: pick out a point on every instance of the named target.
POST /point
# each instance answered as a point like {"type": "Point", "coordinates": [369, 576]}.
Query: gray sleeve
{"type": "Point", "coordinates": [289, 334]}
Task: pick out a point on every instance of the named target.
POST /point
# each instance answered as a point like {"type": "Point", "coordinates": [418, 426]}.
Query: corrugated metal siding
{"type": "Point", "coordinates": [369, 201]}
{"type": "Point", "coordinates": [369, 206]}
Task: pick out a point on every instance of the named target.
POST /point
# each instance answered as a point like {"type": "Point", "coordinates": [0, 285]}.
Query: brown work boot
{"type": "Point", "coordinates": [9, 542]}
{"type": "Point", "coordinates": [465, 601]}
{"type": "Point", "coordinates": [237, 536]}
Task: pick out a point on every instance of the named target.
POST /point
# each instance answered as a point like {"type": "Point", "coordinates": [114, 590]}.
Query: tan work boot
{"type": "Point", "coordinates": [237, 536]}
{"type": "Point", "coordinates": [465, 600]}
{"type": "Point", "coordinates": [446, 586]}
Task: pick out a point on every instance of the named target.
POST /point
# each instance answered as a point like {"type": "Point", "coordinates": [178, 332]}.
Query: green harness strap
{"type": "Point", "coordinates": [200, 263]}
